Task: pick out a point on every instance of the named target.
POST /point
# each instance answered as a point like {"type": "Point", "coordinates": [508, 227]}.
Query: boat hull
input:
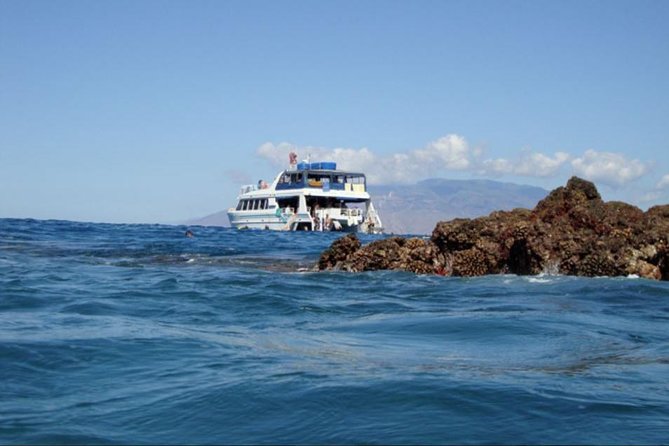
{"type": "Point", "coordinates": [292, 222]}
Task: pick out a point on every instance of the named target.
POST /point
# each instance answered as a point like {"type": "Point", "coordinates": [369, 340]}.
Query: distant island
{"type": "Point", "coordinates": [414, 208]}
{"type": "Point", "coordinates": [572, 231]}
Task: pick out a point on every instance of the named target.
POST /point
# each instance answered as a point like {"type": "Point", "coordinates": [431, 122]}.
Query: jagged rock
{"type": "Point", "coordinates": [338, 252]}
{"type": "Point", "coordinates": [571, 231]}
{"type": "Point", "coordinates": [470, 262]}
{"type": "Point", "coordinates": [647, 270]}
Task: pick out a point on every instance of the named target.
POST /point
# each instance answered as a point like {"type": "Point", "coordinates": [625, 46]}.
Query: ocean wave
{"type": "Point", "coordinates": [135, 333]}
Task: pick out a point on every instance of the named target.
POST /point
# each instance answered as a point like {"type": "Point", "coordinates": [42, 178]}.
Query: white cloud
{"type": "Point", "coordinates": [497, 167]}
{"type": "Point", "coordinates": [608, 168]}
{"type": "Point", "coordinates": [663, 183]}
{"type": "Point", "coordinates": [540, 165]}
{"type": "Point", "coordinates": [451, 152]}
{"type": "Point", "coordinates": [348, 159]}
{"type": "Point", "coordinates": [531, 164]}
{"type": "Point", "coordinates": [276, 154]}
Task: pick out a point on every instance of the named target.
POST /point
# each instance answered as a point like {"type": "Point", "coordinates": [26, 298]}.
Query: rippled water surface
{"type": "Point", "coordinates": [137, 334]}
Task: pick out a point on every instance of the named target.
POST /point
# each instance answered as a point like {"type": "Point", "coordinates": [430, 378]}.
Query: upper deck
{"type": "Point", "coordinates": [323, 176]}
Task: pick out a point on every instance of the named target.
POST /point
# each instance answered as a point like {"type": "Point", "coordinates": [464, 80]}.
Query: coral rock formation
{"type": "Point", "coordinates": [571, 231]}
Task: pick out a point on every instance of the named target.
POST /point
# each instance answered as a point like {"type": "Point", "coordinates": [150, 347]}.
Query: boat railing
{"type": "Point", "coordinates": [351, 212]}
{"type": "Point", "coordinates": [248, 188]}
{"type": "Point", "coordinates": [340, 212]}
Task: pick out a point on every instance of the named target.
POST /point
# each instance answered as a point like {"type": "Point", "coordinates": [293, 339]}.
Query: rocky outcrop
{"type": "Point", "coordinates": [572, 231]}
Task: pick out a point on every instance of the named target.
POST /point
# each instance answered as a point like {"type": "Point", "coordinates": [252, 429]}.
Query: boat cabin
{"type": "Point", "coordinates": [321, 176]}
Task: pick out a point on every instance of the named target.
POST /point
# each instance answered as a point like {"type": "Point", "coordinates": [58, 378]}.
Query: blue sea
{"type": "Point", "coordinates": [138, 334]}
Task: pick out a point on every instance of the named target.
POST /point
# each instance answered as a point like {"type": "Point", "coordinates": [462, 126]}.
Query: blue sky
{"type": "Point", "coordinates": [155, 111]}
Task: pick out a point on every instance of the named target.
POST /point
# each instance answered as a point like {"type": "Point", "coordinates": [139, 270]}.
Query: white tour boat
{"type": "Point", "coordinates": [308, 197]}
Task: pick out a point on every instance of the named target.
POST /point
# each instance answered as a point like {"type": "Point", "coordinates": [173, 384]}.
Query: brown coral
{"type": "Point", "coordinates": [572, 231]}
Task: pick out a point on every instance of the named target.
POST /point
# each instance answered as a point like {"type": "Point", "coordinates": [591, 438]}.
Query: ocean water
{"type": "Point", "coordinates": [137, 334]}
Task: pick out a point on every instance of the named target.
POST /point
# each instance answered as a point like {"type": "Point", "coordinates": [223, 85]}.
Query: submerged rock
{"type": "Point", "coordinates": [572, 231]}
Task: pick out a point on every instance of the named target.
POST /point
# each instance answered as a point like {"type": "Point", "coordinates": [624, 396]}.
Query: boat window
{"type": "Point", "coordinates": [264, 203]}
{"type": "Point", "coordinates": [293, 178]}
{"type": "Point", "coordinates": [316, 180]}
{"type": "Point", "coordinates": [255, 204]}
{"type": "Point", "coordinates": [239, 205]}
